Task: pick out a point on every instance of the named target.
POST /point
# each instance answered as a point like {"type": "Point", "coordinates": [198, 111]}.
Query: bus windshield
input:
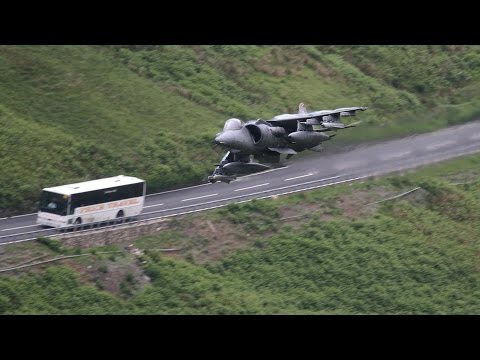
{"type": "Point", "coordinates": [53, 203]}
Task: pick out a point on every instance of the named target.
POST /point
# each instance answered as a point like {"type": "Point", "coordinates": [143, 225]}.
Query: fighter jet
{"type": "Point", "coordinates": [266, 140]}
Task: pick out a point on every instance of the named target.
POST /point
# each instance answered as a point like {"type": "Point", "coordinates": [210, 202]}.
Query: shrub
{"type": "Point", "coordinates": [52, 244]}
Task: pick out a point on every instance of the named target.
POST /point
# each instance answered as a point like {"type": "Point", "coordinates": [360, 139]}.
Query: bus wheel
{"type": "Point", "coordinates": [120, 215]}
{"type": "Point", "coordinates": [77, 222]}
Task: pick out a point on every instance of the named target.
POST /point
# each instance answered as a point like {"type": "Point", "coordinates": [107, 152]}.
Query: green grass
{"type": "Point", "coordinates": [74, 113]}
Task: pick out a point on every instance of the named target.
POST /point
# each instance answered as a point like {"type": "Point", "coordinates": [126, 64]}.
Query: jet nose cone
{"type": "Point", "coordinates": [224, 139]}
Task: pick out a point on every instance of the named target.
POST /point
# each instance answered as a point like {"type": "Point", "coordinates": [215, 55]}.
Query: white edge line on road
{"type": "Point", "coordinates": [395, 155]}
{"type": "Point", "coordinates": [251, 187]}
{"type": "Point", "coordinates": [298, 177]}
{"type": "Point", "coordinates": [152, 205]}
{"type": "Point", "coordinates": [195, 186]}
{"type": "Point", "coordinates": [262, 172]}
{"type": "Point", "coordinates": [17, 241]}
{"type": "Point", "coordinates": [240, 196]}
{"type": "Point", "coordinates": [25, 233]}
{"type": "Point", "coordinates": [185, 188]}
{"type": "Point", "coordinates": [199, 197]}
{"type": "Point", "coordinates": [19, 227]}
{"type": "Point", "coordinates": [437, 146]}
{"type": "Point", "coordinates": [222, 205]}
{"type": "Point", "coordinates": [17, 216]}
{"type": "Point", "coordinates": [317, 186]}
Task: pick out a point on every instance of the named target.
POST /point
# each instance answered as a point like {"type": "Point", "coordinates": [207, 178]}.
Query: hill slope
{"type": "Point", "coordinates": [72, 113]}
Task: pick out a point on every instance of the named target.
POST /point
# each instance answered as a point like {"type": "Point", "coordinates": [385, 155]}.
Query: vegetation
{"type": "Point", "coordinates": [57, 291]}
{"type": "Point", "coordinates": [413, 255]}
{"type": "Point", "coordinates": [75, 113]}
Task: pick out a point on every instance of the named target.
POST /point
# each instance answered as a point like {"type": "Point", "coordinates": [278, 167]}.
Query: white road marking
{"type": "Point", "coordinates": [152, 205]}
{"type": "Point", "coordinates": [268, 196]}
{"type": "Point", "coordinates": [437, 146]}
{"type": "Point", "coordinates": [19, 227]}
{"type": "Point", "coordinates": [262, 172]}
{"type": "Point", "coordinates": [199, 197]}
{"type": "Point", "coordinates": [329, 178]}
{"type": "Point", "coordinates": [169, 191]}
{"type": "Point", "coordinates": [475, 137]}
{"type": "Point", "coordinates": [343, 165]}
{"type": "Point", "coordinates": [16, 241]}
{"type": "Point", "coordinates": [298, 177]}
{"type": "Point", "coordinates": [395, 156]}
{"type": "Point", "coordinates": [251, 187]}
{"type": "Point", "coordinates": [311, 188]}
{"type": "Point", "coordinates": [241, 196]}
{"type": "Point", "coordinates": [17, 216]}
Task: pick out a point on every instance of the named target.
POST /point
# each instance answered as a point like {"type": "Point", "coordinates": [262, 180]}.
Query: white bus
{"type": "Point", "coordinates": [92, 201]}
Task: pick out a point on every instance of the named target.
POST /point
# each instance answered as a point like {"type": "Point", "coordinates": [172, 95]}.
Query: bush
{"type": "Point", "coordinates": [52, 244]}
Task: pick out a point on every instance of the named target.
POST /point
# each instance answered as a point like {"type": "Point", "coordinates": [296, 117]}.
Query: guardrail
{"type": "Point", "coordinates": [78, 228]}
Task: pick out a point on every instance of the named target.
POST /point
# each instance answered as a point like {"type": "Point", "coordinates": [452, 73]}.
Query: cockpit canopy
{"type": "Point", "coordinates": [233, 124]}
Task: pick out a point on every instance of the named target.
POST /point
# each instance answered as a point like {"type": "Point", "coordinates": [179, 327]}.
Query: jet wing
{"type": "Point", "coordinates": [290, 120]}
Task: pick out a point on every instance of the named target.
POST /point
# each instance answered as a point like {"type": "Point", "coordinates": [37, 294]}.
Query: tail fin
{"type": "Point", "coordinates": [302, 109]}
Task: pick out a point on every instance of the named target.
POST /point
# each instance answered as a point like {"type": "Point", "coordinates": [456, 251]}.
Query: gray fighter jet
{"type": "Point", "coordinates": [266, 140]}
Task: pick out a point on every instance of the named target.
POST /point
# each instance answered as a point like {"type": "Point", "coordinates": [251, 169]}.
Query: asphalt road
{"type": "Point", "coordinates": [304, 173]}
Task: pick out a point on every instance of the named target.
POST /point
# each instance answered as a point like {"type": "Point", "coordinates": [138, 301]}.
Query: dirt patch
{"type": "Point", "coordinates": [122, 280]}
{"type": "Point", "coordinates": [120, 274]}
{"type": "Point", "coordinates": [351, 205]}
{"type": "Point", "coordinates": [207, 240]}
{"type": "Point", "coordinates": [418, 197]}
{"type": "Point", "coordinates": [360, 203]}
{"type": "Point", "coordinates": [295, 215]}
{"type": "Point", "coordinates": [297, 211]}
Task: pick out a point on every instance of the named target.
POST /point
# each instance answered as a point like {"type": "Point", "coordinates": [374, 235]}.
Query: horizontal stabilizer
{"type": "Point", "coordinates": [351, 111]}
{"type": "Point", "coordinates": [283, 150]}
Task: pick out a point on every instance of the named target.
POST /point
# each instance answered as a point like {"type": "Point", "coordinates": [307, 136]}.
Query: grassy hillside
{"type": "Point", "coordinates": [73, 113]}
{"type": "Point", "coordinates": [326, 251]}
